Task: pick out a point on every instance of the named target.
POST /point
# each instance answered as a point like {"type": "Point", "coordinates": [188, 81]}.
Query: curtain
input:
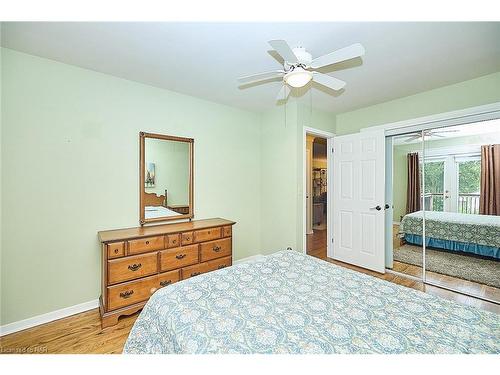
{"type": "Point", "coordinates": [489, 199]}
{"type": "Point", "coordinates": [413, 189]}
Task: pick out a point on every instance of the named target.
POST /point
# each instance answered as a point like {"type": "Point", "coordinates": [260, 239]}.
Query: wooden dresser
{"type": "Point", "coordinates": [138, 261]}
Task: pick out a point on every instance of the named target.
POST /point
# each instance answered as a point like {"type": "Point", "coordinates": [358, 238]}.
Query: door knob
{"type": "Point", "coordinates": [378, 208]}
{"type": "Point", "coordinates": [386, 206]}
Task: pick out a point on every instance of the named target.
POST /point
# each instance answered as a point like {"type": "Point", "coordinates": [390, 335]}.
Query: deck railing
{"type": "Point", "coordinates": [468, 203]}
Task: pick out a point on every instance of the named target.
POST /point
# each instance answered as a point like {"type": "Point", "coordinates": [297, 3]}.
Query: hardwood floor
{"type": "Point", "coordinates": [77, 334]}
{"type": "Point", "coordinates": [82, 333]}
{"type": "Point", "coordinates": [465, 286]}
{"type": "Point", "coordinates": [316, 244]}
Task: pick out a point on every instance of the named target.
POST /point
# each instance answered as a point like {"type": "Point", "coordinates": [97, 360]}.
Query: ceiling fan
{"type": "Point", "coordinates": [299, 67]}
{"type": "Point", "coordinates": [429, 133]}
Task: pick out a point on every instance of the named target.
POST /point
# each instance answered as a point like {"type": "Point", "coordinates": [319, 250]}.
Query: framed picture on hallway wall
{"type": "Point", "coordinates": [150, 178]}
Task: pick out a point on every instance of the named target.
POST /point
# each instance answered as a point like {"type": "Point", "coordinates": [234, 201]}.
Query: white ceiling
{"type": "Point", "coordinates": [205, 59]}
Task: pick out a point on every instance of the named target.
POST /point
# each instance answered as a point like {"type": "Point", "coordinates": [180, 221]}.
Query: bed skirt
{"type": "Point", "coordinates": [464, 247]}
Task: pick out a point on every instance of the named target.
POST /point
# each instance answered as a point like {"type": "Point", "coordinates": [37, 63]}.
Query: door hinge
{"type": "Point", "coordinates": [332, 150]}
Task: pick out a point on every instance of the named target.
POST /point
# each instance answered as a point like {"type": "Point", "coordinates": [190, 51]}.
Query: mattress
{"type": "Point", "coordinates": [293, 303]}
{"type": "Point", "coordinates": [153, 212]}
{"type": "Point", "coordinates": [479, 234]}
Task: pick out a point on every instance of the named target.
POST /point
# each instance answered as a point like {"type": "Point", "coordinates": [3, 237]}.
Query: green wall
{"type": "Point", "coordinates": [282, 172]}
{"type": "Point", "coordinates": [478, 91]}
{"type": "Point", "coordinates": [70, 167]}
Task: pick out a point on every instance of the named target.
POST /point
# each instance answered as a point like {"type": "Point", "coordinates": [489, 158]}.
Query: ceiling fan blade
{"type": "Point", "coordinates": [445, 131]}
{"type": "Point", "coordinates": [283, 94]}
{"type": "Point", "coordinates": [412, 138]}
{"type": "Point", "coordinates": [343, 54]}
{"type": "Point", "coordinates": [284, 50]}
{"type": "Point", "coordinates": [261, 76]}
{"type": "Point", "coordinates": [328, 81]}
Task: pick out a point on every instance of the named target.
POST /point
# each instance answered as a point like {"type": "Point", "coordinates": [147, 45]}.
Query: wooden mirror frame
{"type": "Point", "coordinates": [142, 169]}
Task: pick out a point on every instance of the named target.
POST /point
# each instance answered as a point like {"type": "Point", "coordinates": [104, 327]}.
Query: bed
{"type": "Point", "coordinates": [152, 212]}
{"type": "Point", "coordinates": [289, 302]}
{"type": "Point", "coordinates": [155, 206]}
{"type": "Point", "coordinates": [466, 233]}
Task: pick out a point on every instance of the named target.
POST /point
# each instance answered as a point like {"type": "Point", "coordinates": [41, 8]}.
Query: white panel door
{"type": "Point", "coordinates": [358, 199]}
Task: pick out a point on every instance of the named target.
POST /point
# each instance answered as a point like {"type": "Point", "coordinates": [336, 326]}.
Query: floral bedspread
{"type": "Point", "coordinates": [294, 303]}
{"type": "Point", "coordinates": [468, 228]}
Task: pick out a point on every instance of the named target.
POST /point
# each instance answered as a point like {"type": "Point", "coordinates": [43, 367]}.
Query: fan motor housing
{"type": "Point", "coordinates": [303, 56]}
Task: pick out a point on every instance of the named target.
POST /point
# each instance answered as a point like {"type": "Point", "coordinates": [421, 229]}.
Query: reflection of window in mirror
{"type": "Point", "coordinates": [166, 172]}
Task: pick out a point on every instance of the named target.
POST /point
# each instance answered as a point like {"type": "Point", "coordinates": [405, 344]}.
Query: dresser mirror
{"type": "Point", "coordinates": [166, 178]}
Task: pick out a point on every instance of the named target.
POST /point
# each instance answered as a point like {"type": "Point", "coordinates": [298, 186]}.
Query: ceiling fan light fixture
{"type": "Point", "coordinates": [298, 77]}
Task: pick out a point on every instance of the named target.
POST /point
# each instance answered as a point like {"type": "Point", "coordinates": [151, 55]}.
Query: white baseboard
{"type": "Point", "coordinates": [76, 309]}
{"type": "Point", "coordinates": [48, 317]}
{"type": "Point", "coordinates": [249, 259]}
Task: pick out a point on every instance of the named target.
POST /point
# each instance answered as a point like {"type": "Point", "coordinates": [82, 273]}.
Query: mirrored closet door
{"type": "Point", "coordinates": [461, 194]}
{"type": "Point", "coordinates": [407, 201]}
{"type": "Point", "coordinates": [446, 208]}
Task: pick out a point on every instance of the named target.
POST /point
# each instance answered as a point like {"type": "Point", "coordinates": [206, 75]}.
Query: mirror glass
{"type": "Point", "coordinates": [407, 201]}
{"type": "Point", "coordinates": [462, 218]}
{"type": "Point", "coordinates": [166, 178]}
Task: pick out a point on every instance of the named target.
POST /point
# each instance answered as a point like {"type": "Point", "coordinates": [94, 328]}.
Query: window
{"type": "Point", "coordinates": [452, 183]}
{"type": "Point", "coordinates": [434, 185]}
{"type": "Point", "coordinates": [469, 180]}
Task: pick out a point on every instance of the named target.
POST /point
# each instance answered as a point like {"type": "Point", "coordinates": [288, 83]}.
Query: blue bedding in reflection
{"type": "Point", "coordinates": [465, 247]}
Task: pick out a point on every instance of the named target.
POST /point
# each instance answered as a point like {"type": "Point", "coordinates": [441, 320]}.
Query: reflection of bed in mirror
{"type": "Point", "coordinates": [155, 206]}
{"type": "Point", "coordinates": [457, 232]}
{"type": "Point", "coordinates": [152, 199]}
{"type": "Point", "coordinates": [166, 164]}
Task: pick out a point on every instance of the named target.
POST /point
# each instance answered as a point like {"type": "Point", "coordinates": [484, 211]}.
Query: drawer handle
{"type": "Point", "coordinates": [221, 266]}
{"type": "Point", "coordinates": [135, 267]}
{"type": "Point", "coordinates": [126, 294]}
{"type": "Point", "coordinates": [180, 256]}
{"type": "Point", "coordinates": [165, 283]}
{"type": "Point", "coordinates": [187, 238]}
{"type": "Point", "coordinates": [216, 249]}
{"type": "Point", "coordinates": [116, 251]}
{"type": "Point", "coordinates": [195, 274]}
{"type": "Point", "coordinates": [147, 242]}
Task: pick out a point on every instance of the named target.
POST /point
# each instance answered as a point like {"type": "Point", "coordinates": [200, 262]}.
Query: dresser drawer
{"type": "Point", "coordinates": [186, 238]}
{"type": "Point", "coordinates": [132, 267]}
{"type": "Point", "coordinates": [131, 292]}
{"type": "Point", "coordinates": [172, 240]}
{"type": "Point", "coordinates": [207, 234]}
{"type": "Point", "coordinates": [167, 278]}
{"type": "Point", "coordinates": [227, 231]}
{"type": "Point", "coordinates": [178, 257]}
{"type": "Point", "coordinates": [195, 270]}
{"type": "Point", "coordinates": [215, 249]}
{"type": "Point", "coordinates": [144, 245]}
{"type": "Point", "coordinates": [115, 249]}
{"type": "Point", "coordinates": [219, 263]}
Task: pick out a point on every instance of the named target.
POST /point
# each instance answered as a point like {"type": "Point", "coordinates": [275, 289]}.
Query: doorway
{"type": "Point", "coordinates": [317, 188]}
